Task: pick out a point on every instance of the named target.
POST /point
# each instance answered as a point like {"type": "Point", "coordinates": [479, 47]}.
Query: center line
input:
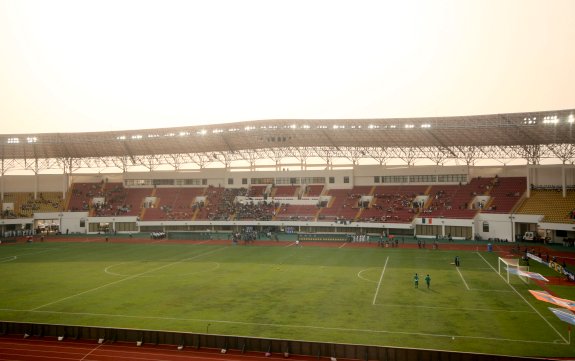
{"type": "Point", "coordinates": [380, 278]}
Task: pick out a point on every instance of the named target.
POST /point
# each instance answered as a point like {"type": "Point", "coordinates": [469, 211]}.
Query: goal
{"type": "Point", "coordinates": [511, 266]}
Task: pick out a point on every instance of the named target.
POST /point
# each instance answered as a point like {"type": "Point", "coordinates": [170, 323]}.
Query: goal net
{"type": "Point", "coordinates": [511, 266]}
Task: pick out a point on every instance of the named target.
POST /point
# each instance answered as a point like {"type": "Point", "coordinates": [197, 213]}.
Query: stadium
{"type": "Point", "coordinates": [346, 197]}
{"type": "Point", "coordinates": [305, 180]}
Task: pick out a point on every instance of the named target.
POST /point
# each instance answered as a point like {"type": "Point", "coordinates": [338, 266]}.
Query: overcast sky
{"type": "Point", "coordinates": [68, 66]}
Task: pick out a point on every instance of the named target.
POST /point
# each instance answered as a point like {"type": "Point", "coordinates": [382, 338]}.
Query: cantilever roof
{"type": "Point", "coordinates": [517, 129]}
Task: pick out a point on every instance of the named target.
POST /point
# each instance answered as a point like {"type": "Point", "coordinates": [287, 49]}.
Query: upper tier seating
{"type": "Point", "coordinates": [254, 211]}
{"type": "Point", "coordinates": [313, 190]}
{"type": "Point", "coordinates": [118, 201]}
{"type": "Point", "coordinates": [455, 201]}
{"type": "Point", "coordinates": [505, 194]}
{"type": "Point", "coordinates": [297, 212]}
{"type": "Point", "coordinates": [551, 204]}
{"type": "Point", "coordinates": [173, 204]}
{"type": "Point", "coordinates": [257, 190]}
{"type": "Point", "coordinates": [393, 204]}
{"type": "Point", "coordinates": [344, 204]}
{"type": "Point", "coordinates": [122, 201]}
{"type": "Point", "coordinates": [285, 191]}
{"type": "Point", "coordinates": [81, 194]}
{"type": "Point", "coordinates": [25, 205]}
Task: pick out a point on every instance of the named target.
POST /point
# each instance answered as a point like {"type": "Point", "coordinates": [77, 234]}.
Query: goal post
{"type": "Point", "coordinates": [512, 266]}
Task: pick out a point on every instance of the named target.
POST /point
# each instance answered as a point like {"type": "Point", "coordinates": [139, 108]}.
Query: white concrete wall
{"type": "Point", "coordinates": [68, 220]}
{"type": "Point", "coordinates": [27, 183]}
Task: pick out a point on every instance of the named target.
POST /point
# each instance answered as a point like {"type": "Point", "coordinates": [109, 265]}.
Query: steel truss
{"type": "Point", "coordinates": [278, 157]}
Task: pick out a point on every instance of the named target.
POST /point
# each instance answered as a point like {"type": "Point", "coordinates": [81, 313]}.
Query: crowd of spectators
{"type": "Point", "coordinates": [25, 204]}
{"type": "Point", "coordinates": [113, 200]}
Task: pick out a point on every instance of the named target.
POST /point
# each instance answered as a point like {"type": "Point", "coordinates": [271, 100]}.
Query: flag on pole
{"type": "Point", "coordinates": [546, 297]}
{"type": "Point", "coordinates": [564, 315]}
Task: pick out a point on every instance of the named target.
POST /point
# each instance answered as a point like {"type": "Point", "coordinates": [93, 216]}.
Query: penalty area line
{"type": "Point", "coordinates": [380, 278]}
{"type": "Point", "coordinates": [463, 279]}
{"type": "Point", "coordinates": [524, 299]}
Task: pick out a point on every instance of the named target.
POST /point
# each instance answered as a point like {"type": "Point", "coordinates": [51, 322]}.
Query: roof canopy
{"type": "Point", "coordinates": [532, 136]}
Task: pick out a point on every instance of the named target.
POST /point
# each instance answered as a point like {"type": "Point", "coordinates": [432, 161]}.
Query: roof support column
{"type": "Point", "coordinates": [2, 175]}
{"type": "Point", "coordinates": [528, 170]}
{"type": "Point", "coordinates": [2, 182]}
{"type": "Point", "coordinates": [36, 179]}
{"type": "Point", "coordinates": [563, 181]}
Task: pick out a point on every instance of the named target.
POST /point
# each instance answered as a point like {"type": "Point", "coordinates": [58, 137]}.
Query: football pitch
{"type": "Point", "coordinates": [345, 295]}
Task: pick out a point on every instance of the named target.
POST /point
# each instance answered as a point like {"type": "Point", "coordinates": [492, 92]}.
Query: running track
{"type": "Point", "coordinates": [13, 348]}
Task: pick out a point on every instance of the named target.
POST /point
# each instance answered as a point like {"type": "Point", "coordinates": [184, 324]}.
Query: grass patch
{"type": "Point", "coordinates": [317, 294]}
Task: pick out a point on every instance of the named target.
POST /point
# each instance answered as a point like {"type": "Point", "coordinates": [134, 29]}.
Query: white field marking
{"type": "Point", "coordinates": [365, 279]}
{"type": "Point", "coordinates": [291, 244]}
{"type": "Point", "coordinates": [158, 241]}
{"type": "Point", "coordinates": [8, 259]}
{"type": "Point", "coordinates": [523, 298]}
{"type": "Point", "coordinates": [38, 252]}
{"type": "Point", "coordinates": [451, 308]}
{"type": "Point", "coordinates": [463, 279]}
{"type": "Point", "coordinates": [380, 278]}
{"type": "Point", "coordinates": [343, 245]}
{"type": "Point", "coordinates": [128, 278]}
{"type": "Point", "coordinates": [88, 354]}
{"type": "Point", "coordinates": [12, 258]}
{"type": "Point", "coordinates": [91, 240]}
{"type": "Point", "coordinates": [107, 270]}
{"type": "Point", "coordinates": [204, 321]}
{"type": "Point", "coordinates": [204, 242]}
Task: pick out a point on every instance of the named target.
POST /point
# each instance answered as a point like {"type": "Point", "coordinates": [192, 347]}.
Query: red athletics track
{"type": "Point", "coordinates": [14, 348]}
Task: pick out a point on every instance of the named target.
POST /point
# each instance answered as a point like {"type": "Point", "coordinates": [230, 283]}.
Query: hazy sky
{"type": "Point", "coordinates": [103, 65]}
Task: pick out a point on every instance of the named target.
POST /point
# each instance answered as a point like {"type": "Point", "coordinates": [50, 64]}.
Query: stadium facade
{"type": "Point", "coordinates": [428, 177]}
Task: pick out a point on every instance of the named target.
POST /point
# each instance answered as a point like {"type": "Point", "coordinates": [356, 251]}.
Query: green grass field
{"type": "Point", "coordinates": [346, 295]}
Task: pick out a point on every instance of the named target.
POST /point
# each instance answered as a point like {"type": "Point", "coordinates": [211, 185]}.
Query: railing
{"type": "Point", "coordinates": [240, 343]}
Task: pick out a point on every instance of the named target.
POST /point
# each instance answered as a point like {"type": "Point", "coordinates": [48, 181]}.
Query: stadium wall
{"type": "Point", "coordinates": [27, 183]}
{"type": "Point", "coordinates": [539, 175]}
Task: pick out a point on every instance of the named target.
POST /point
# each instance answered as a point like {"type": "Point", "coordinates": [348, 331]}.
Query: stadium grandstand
{"type": "Point", "coordinates": [471, 177]}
